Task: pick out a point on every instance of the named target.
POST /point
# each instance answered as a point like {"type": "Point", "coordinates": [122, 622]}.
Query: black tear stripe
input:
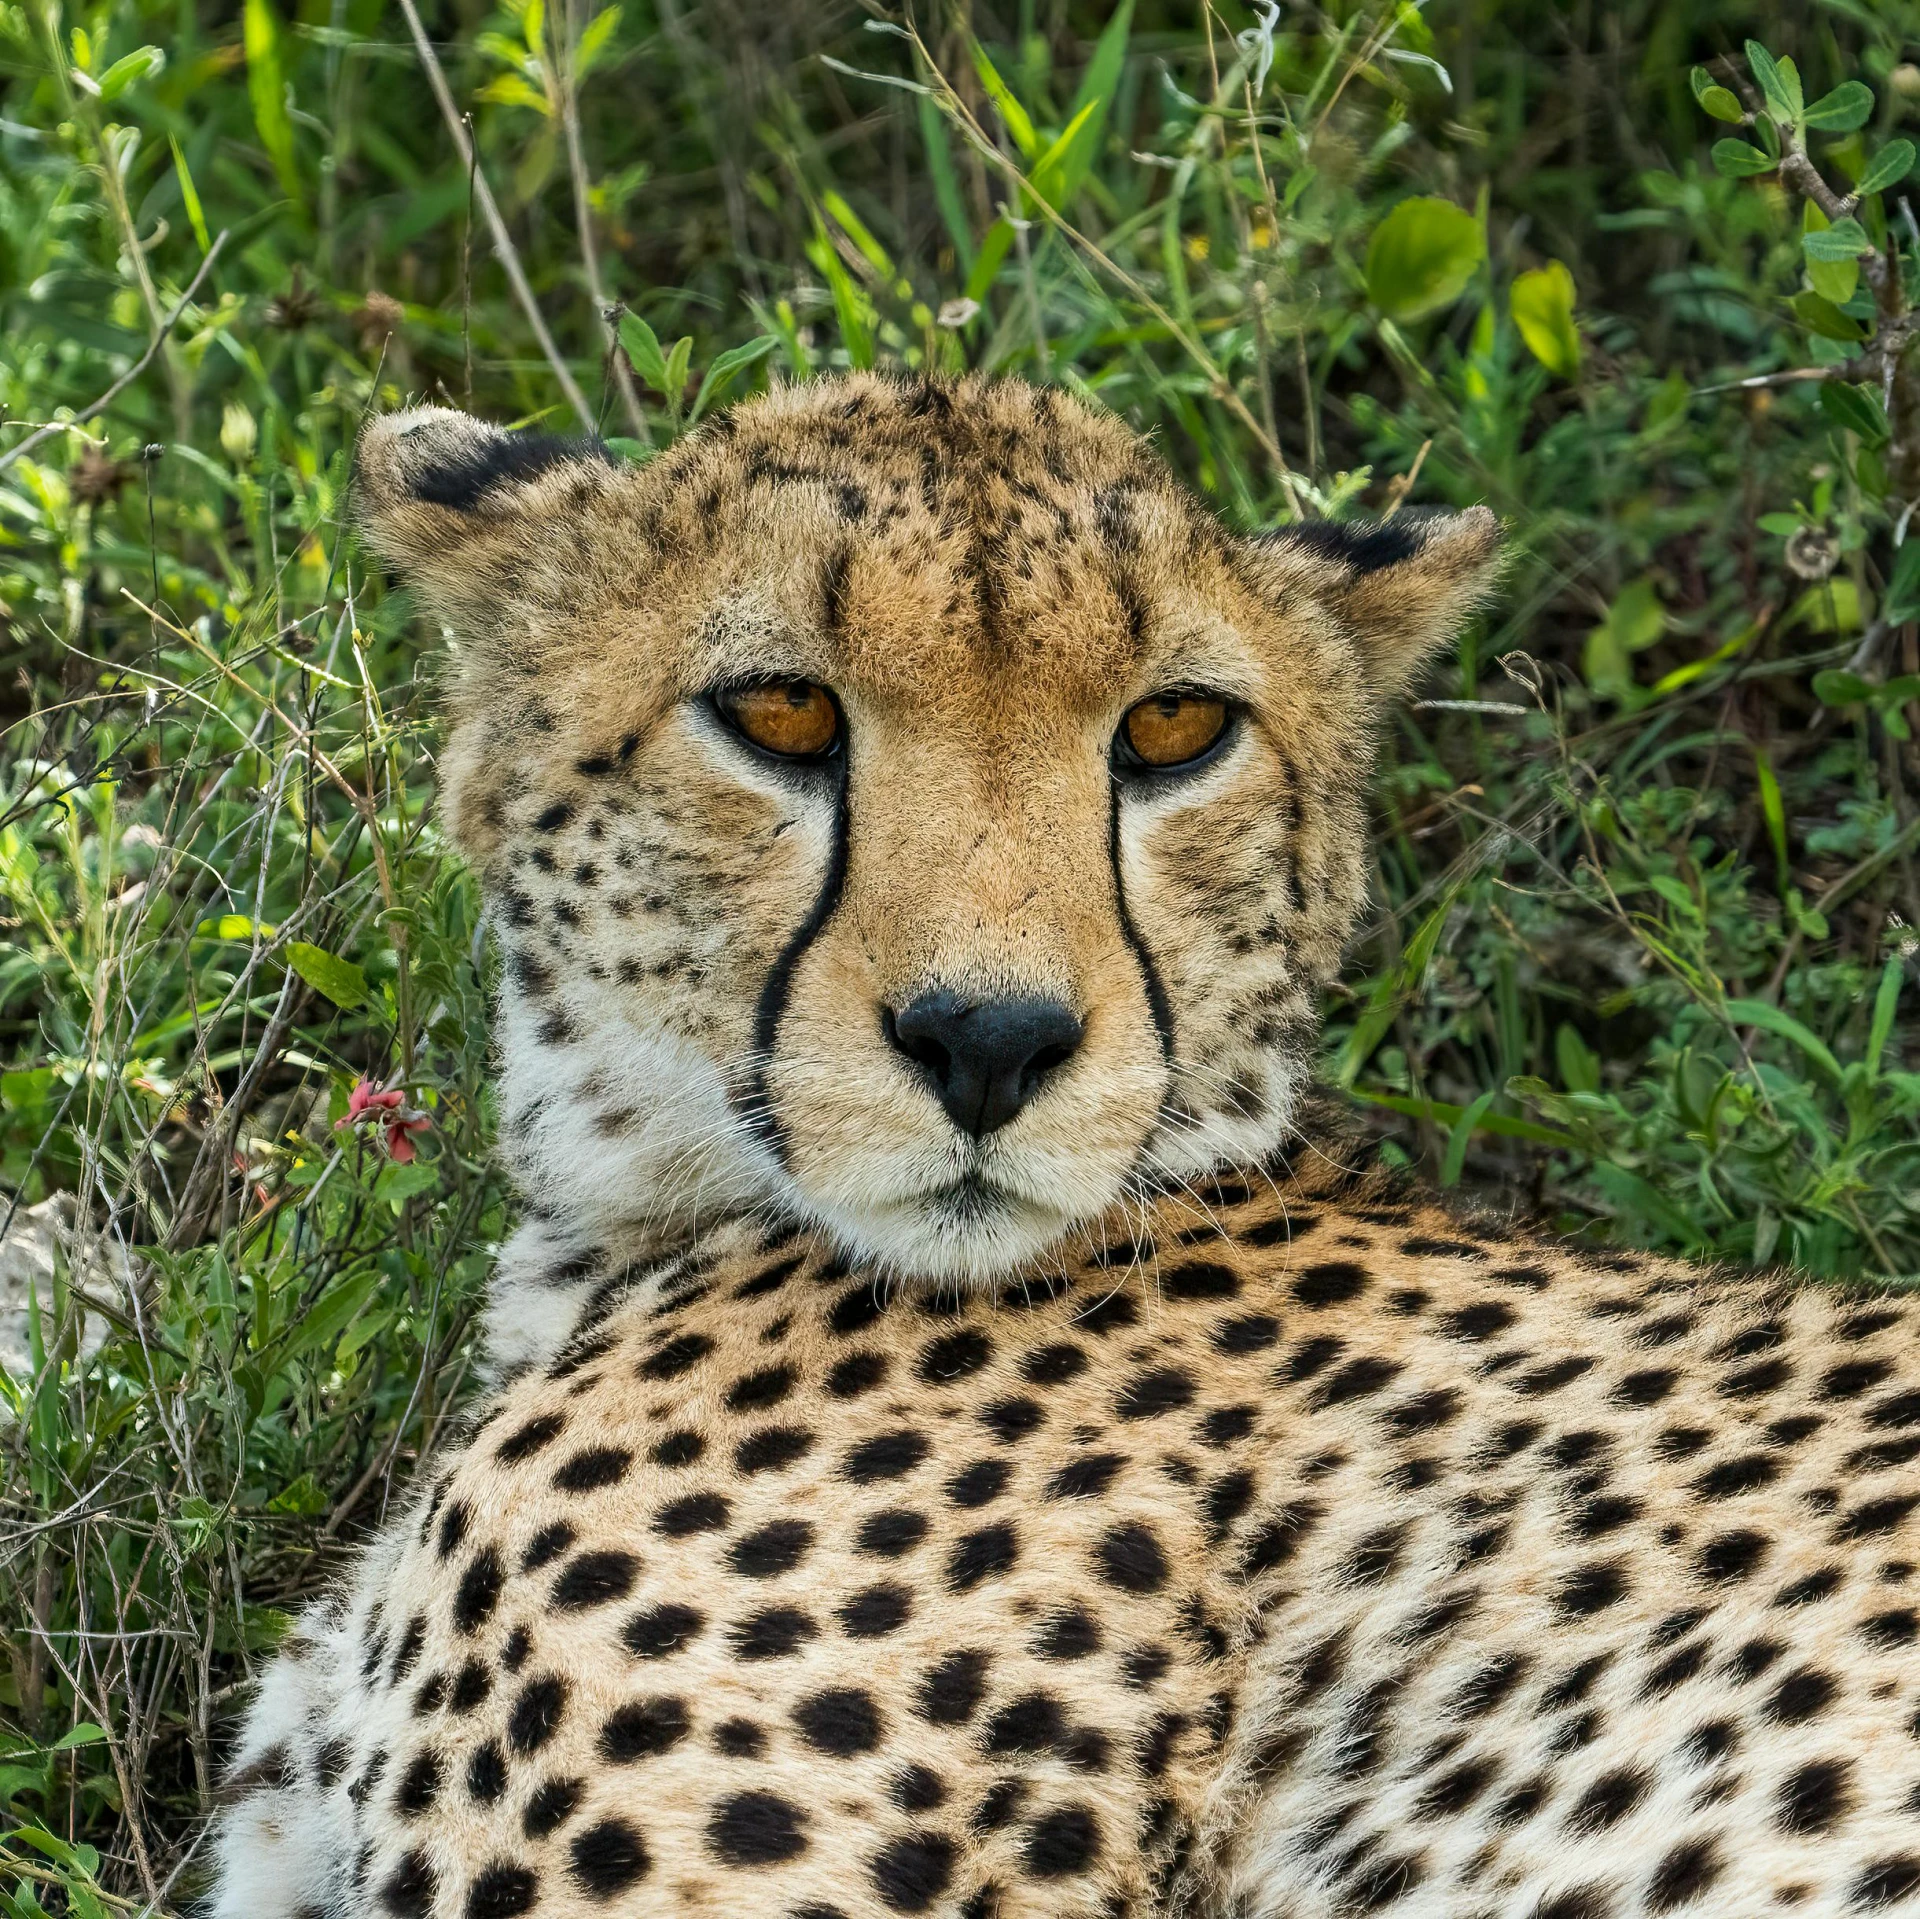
{"type": "Point", "coordinates": [462, 480]}
{"type": "Point", "coordinates": [1157, 1003]}
{"type": "Point", "coordinates": [778, 986]}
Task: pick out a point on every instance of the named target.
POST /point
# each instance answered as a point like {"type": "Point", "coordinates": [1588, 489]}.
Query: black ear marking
{"type": "Point", "coordinates": [467, 474]}
{"type": "Point", "coordinates": [1363, 545]}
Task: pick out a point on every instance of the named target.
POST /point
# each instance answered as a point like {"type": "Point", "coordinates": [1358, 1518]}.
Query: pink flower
{"type": "Point", "coordinates": [386, 1107]}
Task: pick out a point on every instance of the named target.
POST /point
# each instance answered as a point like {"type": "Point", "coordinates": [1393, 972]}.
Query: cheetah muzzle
{"type": "Point", "coordinates": [961, 1439]}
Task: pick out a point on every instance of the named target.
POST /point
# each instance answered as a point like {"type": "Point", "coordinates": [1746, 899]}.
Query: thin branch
{"type": "Point", "coordinates": [132, 373]}
{"type": "Point", "coordinates": [502, 241]}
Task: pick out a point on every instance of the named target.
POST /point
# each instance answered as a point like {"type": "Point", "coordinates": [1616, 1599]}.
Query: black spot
{"type": "Point", "coordinates": [1154, 1394]}
{"type": "Point", "coordinates": [554, 1802]}
{"type": "Point", "coordinates": [643, 1730]}
{"type": "Point", "coordinates": [1276, 1542]}
{"type": "Point", "coordinates": [886, 1535]}
{"type": "Point", "coordinates": [1225, 1500]}
{"type": "Point", "coordinates": [1053, 1365]}
{"type": "Point", "coordinates": [856, 1374]}
{"type": "Point", "coordinates": [876, 1611]}
{"type": "Point", "coordinates": [917, 1789]}
{"type": "Point", "coordinates": [419, 1785]}
{"type": "Point", "coordinates": [774, 1548]}
{"type": "Point", "coordinates": [1070, 1634]}
{"type": "Point", "coordinates": [663, 1630]}
{"type": "Point", "coordinates": [772, 1449]}
{"type": "Point", "coordinates": [550, 819]}
{"type": "Point", "coordinates": [1061, 1843]}
{"type": "Point", "coordinates": [1013, 1419]}
{"type": "Point", "coordinates": [912, 1871]}
{"type": "Point", "coordinates": [840, 1722]}
{"type": "Point", "coordinates": [1086, 1477]}
{"type": "Point", "coordinates": [528, 1439]}
{"type": "Point", "coordinates": [954, 1356]}
{"type": "Point", "coordinates": [980, 1555]}
{"type": "Point", "coordinates": [536, 1713]}
{"type": "Point", "coordinates": [1129, 1556]}
{"type": "Point", "coordinates": [1645, 1388]}
{"type": "Point", "coordinates": [1886, 1882]}
{"type": "Point", "coordinates": [1479, 1321]}
{"type": "Point", "coordinates": [1227, 1425]}
{"type": "Point", "coordinates": [453, 1528]}
{"type": "Point", "coordinates": [739, 1739]}
{"type": "Point", "coordinates": [408, 1892]}
{"type": "Point", "coordinates": [1685, 1873]}
{"type": "Point", "coordinates": [1455, 1791]}
{"type": "Point", "coordinates": [608, 1858]}
{"type": "Point", "coordinates": [1356, 1380]}
{"type": "Point", "coordinates": [1200, 1280]}
{"type": "Point", "coordinates": [595, 1579]}
{"type": "Point", "coordinates": [1315, 1356]}
{"type": "Point", "coordinates": [856, 1308]}
{"type": "Point", "coordinates": [1893, 1628]}
{"type": "Point", "coordinates": [1745, 1474]}
{"type": "Point", "coordinates": [502, 1891]}
{"type": "Point", "coordinates": [950, 1692]}
{"type": "Point", "coordinates": [1609, 1799]}
{"type": "Point", "coordinates": [1801, 1696]}
{"type": "Point", "coordinates": [1591, 1589]}
{"type": "Point", "coordinates": [1549, 1379]}
{"type": "Point", "coordinates": [756, 1829]}
{"type": "Point", "coordinates": [696, 1513]}
{"type": "Point", "coordinates": [487, 1772]}
{"type": "Point", "coordinates": [679, 1355]}
{"type": "Point", "coordinates": [979, 1484]}
{"type": "Point", "coordinates": [479, 1591]}
{"type": "Point", "coordinates": [1112, 1314]}
{"type": "Point", "coordinates": [886, 1456]}
{"type": "Point", "coordinates": [773, 1633]}
{"type": "Point", "coordinates": [678, 1449]}
{"type": "Point", "coordinates": [1330, 1283]}
{"type": "Point", "coordinates": [598, 1466]}
{"type": "Point", "coordinates": [1877, 1516]}
{"type": "Point", "coordinates": [1732, 1555]}
{"type": "Point", "coordinates": [1361, 546]}
{"type": "Point", "coordinates": [1817, 1797]}
{"type": "Point", "coordinates": [470, 1686]}
{"type": "Point", "coordinates": [756, 1391]}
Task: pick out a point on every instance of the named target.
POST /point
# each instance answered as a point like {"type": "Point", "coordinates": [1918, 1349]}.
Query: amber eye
{"type": "Point", "coordinates": [1172, 728]}
{"type": "Point", "coordinates": [793, 718]}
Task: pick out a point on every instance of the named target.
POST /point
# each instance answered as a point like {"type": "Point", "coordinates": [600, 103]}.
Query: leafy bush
{"type": "Point", "coordinates": [1646, 877]}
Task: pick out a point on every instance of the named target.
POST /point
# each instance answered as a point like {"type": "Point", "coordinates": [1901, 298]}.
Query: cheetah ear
{"type": "Point", "coordinates": [1403, 587]}
{"type": "Point", "coordinates": [473, 517]}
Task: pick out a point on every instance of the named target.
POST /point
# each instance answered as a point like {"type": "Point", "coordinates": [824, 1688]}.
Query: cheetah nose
{"type": "Point", "coordinates": [986, 1058]}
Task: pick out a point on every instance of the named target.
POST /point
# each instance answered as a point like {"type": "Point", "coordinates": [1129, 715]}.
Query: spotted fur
{"type": "Point", "coordinates": [1132, 1511]}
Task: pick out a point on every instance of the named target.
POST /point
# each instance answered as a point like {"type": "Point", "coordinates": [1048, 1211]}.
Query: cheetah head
{"type": "Point", "coordinates": [901, 805]}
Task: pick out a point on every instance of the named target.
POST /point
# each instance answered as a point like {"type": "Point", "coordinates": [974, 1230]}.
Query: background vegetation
{"type": "Point", "coordinates": [1644, 951]}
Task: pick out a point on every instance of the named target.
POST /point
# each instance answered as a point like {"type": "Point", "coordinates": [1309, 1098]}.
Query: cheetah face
{"type": "Point", "coordinates": [901, 806]}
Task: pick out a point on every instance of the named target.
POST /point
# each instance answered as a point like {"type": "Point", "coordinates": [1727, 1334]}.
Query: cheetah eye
{"type": "Point", "coordinates": [1170, 730]}
{"type": "Point", "coordinates": [794, 719]}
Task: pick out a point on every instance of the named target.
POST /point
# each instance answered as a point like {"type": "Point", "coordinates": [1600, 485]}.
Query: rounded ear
{"type": "Point", "coordinates": [1403, 587]}
{"type": "Point", "coordinates": [466, 512]}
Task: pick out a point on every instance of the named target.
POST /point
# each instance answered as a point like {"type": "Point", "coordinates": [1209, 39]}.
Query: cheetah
{"type": "Point", "coordinates": [967, 1433]}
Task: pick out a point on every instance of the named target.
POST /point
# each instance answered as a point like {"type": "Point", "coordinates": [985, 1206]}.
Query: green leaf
{"type": "Point", "coordinates": [1773, 810]}
{"type": "Point", "coordinates": [340, 980]}
{"type": "Point", "coordinates": [189, 197]}
{"type": "Point", "coordinates": [267, 88]}
{"type": "Point", "coordinates": [1061, 168]}
{"type": "Point", "coordinates": [1885, 1001]}
{"type": "Point", "coordinates": [233, 926]}
{"type": "Point", "coordinates": [1779, 82]}
{"type": "Point", "coordinates": [1461, 1138]}
{"type": "Point", "coordinates": [642, 347]}
{"type": "Point", "coordinates": [1422, 256]}
{"type": "Point", "coordinates": [1770, 1019]}
{"type": "Point", "coordinates": [1903, 586]}
{"type": "Point", "coordinates": [1637, 1199]}
{"type": "Point", "coordinates": [137, 65]}
{"type": "Point", "coordinates": [946, 182]}
{"type": "Point", "coordinates": [1856, 408]}
{"type": "Point", "coordinates": [1844, 240]}
{"type": "Point", "coordinates": [1102, 77]}
{"type": "Point", "coordinates": [1578, 1063]}
{"type": "Point", "coordinates": [1847, 107]}
{"type": "Point", "coordinates": [1890, 166]}
{"type": "Point", "coordinates": [336, 1309]}
{"type": "Point", "coordinates": [1719, 101]}
{"type": "Point", "coordinates": [1836, 687]}
{"type": "Point", "coordinates": [677, 363]}
{"type": "Point", "coordinates": [84, 1734]}
{"type": "Point", "coordinates": [720, 374]}
{"type": "Point", "coordinates": [1019, 125]}
{"type": "Point", "coordinates": [1832, 279]}
{"type": "Point", "coordinates": [1738, 160]}
{"type": "Point", "coordinates": [1828, 606]}
{"type": "Point", "coordinates": [857, 230]}
{"type": "Point", "coordinates": [1821, 316]}
{"type": "Point", "coordinates": [1442, 1113]}
{"type": "Point", "coordinates": [1542, 306]}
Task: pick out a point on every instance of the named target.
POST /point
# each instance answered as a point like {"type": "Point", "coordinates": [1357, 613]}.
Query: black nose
{"type": "Point", "coordinates": [986, 1058]}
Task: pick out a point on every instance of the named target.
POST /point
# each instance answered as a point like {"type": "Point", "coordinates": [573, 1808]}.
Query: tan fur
{"type": "Point", "coordinates": [1228, 1536]}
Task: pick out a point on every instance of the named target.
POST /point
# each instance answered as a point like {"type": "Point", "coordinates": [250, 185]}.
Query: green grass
{"type": "Point", "coordinates": [1643, 958]}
